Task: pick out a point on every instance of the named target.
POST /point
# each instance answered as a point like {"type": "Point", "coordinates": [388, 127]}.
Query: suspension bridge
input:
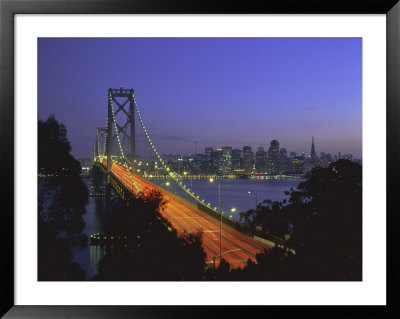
{"type": "Point", "coordinates": [114, 152]}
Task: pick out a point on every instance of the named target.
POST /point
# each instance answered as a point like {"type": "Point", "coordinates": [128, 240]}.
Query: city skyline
{"type": "Point", "coordinates": [195, 93]}
{"type": "Point", "coordinates": [274, 160]}
{"type": "Point", "coordinates": [254, 148]}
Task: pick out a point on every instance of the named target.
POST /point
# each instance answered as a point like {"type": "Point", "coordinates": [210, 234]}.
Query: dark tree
{"type": "Point", "coordinates": [153, 250]}
{"type": "Point", "coordinates": [62, 199]}
{"type": "Point", "coordinates": [329, 230]}
{"type": "Point", "coordinates": [220, 273]}
{"type": "Point", "coordinates": [325, 214]}
{"type": "Point", "coordinates": [54, 149]}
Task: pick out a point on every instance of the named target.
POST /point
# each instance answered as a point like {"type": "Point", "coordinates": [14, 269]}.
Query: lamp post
{"type": "Point", "coordinates": [233, 209]}
{"type": "Point", "coordinates": [220, 223]}
{"type": "Point", "coordinates": [191, 178]}
{"type": "Point", "coordinates": [255, 216]}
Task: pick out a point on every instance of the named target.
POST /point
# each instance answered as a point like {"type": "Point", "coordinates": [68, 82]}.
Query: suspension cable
{"type": "Point", "coordinates": [172, 174]}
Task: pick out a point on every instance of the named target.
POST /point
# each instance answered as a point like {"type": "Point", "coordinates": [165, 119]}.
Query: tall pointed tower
{"type": "Point", "coordinates": [313, 154]}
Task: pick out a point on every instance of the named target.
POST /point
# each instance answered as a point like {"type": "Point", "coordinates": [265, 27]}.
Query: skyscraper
{"type": "Point", "coordinates": [209, 150]}
{"type": "Point", "coordinates": [313, 154]}
{"type": "Point", "coordinates": [348, 157]}
{"type": "Point", "coordinates": [237, 159]}
{"type": "Point", "coordinates": [283, 161]}
{"type": "Point", "coordinates": [260, 160]}
{"type": "Point", "coordinates": [216, 159]}
{"type": "Point", "coordinates": [247, 159]}
{"type": "Point", "coordinates": [226, 160]}
{"type": "Point", "coordinates": [298, 165]}
{"type": "Point", "coordinates": [207, 166]}
{"type": "Point", "coordinates": [292, 155]}
{"type": "Point", "coordinates": [273, 158]}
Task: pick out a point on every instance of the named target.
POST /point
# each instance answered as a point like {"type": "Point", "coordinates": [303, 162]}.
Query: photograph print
{"type": "Point", "coordinates": [199, 159]}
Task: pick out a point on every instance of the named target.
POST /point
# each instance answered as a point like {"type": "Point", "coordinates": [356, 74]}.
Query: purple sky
{"type": "Point", "coordinates": [216, 91]}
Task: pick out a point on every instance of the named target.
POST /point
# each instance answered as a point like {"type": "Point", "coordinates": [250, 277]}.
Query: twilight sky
{"type": "Point", "coordinates": [213, 91]}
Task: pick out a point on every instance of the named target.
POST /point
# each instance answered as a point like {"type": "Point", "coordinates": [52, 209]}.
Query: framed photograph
{"type": "Point", "coordinates": [164, 158]}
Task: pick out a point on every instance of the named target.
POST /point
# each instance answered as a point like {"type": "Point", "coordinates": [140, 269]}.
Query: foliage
{"type": "Point", "coordinates": [329, 228]}
{"type": "Point", "coordinates": [54, 149]}
{"type": "Point", "coordinates": [324, 216]}
{"type": "Point", "coordinates": [221, 273]}
{"type": "Point", "coordinates": [275, 264]}
{"type": "Point", "coordinates": [61, 204]}
{"type": "Point", "coordinates": [153, 250]}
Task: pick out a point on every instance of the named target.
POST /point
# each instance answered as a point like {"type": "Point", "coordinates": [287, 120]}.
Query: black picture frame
{"type": "Point", "coordinates": [8, 8]}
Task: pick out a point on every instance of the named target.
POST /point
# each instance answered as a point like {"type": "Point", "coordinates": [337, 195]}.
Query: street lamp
{"type": "Point", "coordinates": [220, 223]}
{"type": "Point", "coordinates": [233, 209]}
{"type": "Point", "coordinates": [255, 216]}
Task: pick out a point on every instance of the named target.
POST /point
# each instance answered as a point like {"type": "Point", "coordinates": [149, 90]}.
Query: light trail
{"type": "Point", "coordinates": [186, 218]}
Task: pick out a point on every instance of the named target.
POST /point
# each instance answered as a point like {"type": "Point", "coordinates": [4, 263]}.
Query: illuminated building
{"type": "Point", "coordinates": [298, 165]}
{"type": "Point", "coordinates": [216, 161]}
{"type": "Point", "coordinates": [348, 157]}
{"type": "Point", "coordinates": [237, 159]}
{"type": "Point", "coordinates": [283, 161]}
{"type": "Point", "coordinates": [248, 161]}
{"type": "Point", "coordinates": [260, 160]}
{"type": "Point", "coordinates": [273, 158]}
{"type": "Point", "coordinates": [226, 161]}
{"type": "Point", "coordinates": [207, 165]}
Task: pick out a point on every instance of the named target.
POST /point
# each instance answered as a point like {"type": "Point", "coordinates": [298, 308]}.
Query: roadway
{"type": "Point", "coordinates": [186, 218]}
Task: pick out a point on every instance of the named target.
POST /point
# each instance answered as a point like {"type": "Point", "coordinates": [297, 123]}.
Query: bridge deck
{"type": "Point", "coordinates": [186, 218]}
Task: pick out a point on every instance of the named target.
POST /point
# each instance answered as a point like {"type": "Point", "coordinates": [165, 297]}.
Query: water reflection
{"type": "Point", "coordinates": [95, 219]}
{"type": "Point", "coordinates": [96, 253]}
{"type": "Point", "coordinates": [234, 193]}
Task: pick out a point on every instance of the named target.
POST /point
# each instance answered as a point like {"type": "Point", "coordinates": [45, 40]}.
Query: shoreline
{"type": "Point", "coordinates": [253, 177]}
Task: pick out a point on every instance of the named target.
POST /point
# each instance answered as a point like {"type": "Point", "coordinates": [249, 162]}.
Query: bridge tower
{"type": "Point", "coordinates": [100, 136]}
{"type": "Point", "coordinates": [124, 100]}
